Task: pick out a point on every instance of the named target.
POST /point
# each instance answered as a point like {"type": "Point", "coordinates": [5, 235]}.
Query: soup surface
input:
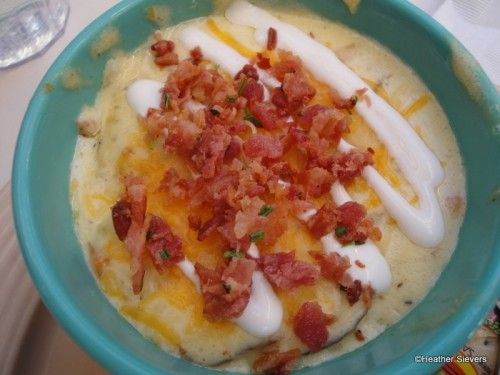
{"type": "Point", "coordinates": [262, 190]}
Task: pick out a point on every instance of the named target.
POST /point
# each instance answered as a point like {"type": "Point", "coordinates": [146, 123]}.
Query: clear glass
{"type": "Point", "coordinates": [27, 27]}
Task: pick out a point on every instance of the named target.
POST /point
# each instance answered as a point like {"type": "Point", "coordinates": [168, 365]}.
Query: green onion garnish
{"type": "Point", "coordinates": [265, 210]}
{"type": "Point", "coordinates": [257, 236]}
{"type": "Point", "coordinates": [167, 100]}
{"type": "Point", "coordinates": [249, 117]}
{"type": "Point", "coordinates": [243, 84]}
{"type": "Point", "coordinates": [341, 231]}
{"type": "Point", "coordinates": [231, 98]}
{"type": "Point", "coordinates": [214, 112]}
{"type": "Point", "coordinates": [229, 254]}
{"type": "Point", "coordinates": [164, 254]}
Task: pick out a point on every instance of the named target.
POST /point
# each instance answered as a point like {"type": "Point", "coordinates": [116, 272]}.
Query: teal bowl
{"type": "Point", "coordinates": [439, 325]}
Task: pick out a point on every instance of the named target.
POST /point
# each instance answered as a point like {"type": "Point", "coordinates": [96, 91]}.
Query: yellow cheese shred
{"type": "Point", "coordinates": [417, 105]}
{"type": "Point", "coordinates": [228, 39]}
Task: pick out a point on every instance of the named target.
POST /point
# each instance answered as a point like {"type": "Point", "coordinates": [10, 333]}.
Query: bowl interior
{"type": "Point", "coordinates": [438, 326]}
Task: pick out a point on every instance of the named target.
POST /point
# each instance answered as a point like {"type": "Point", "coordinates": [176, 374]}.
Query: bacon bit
{"type": "Point", "coordinates": [164, 53]}
{"type": "Point", "coordinates": [120, 213]}
{"type": "Point", "coordinates": [226, 292]}
{"type": "Point", "coordinates": [309, 325]}
{"type": "Point", "coordinates": [350, 165]}
{"type": "Point", "coordinates": [274, 362]}
{"type": "Point", "coordinates": [168, 59]}
{"type": "Point", "coordinates": [323, 221]}
{"type": "Point", "coordinates": [263, 146]}
{"type": "Point", "coordinates": [249, 71]}
{"type": "Point", "coordinates": [371, 150]}
{"type": "Point", "coordinates": [288, 63]}
{"type": "Point", "coordinates": [211, 226]}
{"type": "Point", "coordinates": [297, 90]}
{"type": "Point", "coordinates": [361, 95]}
{"type": "Point", "coordinates": [317, 181]}
{"type": "Point", "coordinates": [194, 222]}
{"type": "Point", "coordinates": [353, 292]}
{"type": "Point", "coordinates": [343, 103]}
{"type": "Point", "coordinates": [359, 263]}
{"type": "Point", "coordinates": [136, 235]}
{"type": "Point", "coordinates": [352, 216]}
{"type": "Point", "coordinates": [196, 54]}
{"type": "Point", "coordinates": [162, 47]}
{"type": "Point", "coordinates": [272, 38]}
{"type": "Point", "coordinates": [210, 150]}
{"type": "Point", "coordinates": [306, 119]}
{"type": "Point", "coordinates": [265, 113]}
{"type": "Point", "coordinates": [359, 335]}
{"type": "Point", "coordinates": [253, 91]}
{"type": "Point", "coordinates": [311, 34]}
{"type": "Point", "coordinates": [278, 98]}
{"type": "Point", "coordinates": [234, 149]}
{"type": "Point", "coordinates": [164, 247]}
{"type": "Point", "coordinates": [175, 186]}
{"type": "Point", "coordinates": [283, 271]}
{"type": "Point", "coordinates": [333, 266]}
{"type": "Point", "coordinates": [330, 124]}
{"type": "Point", "coordinates": [263, 62]}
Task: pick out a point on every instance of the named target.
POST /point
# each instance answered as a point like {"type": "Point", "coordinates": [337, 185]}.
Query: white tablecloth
{"type": "Point", "coordinates": [475, 22]}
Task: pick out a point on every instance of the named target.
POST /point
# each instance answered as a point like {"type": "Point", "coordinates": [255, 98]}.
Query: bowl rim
{"type": "Point", "coordinates": [109, 353]}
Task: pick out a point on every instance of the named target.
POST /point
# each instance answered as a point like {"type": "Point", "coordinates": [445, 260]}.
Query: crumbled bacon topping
{"type": "Point", "coordinates": [164, 246]}
{"type": "Point", "coordinates": [263, 62]}
{"type": "Point", "coordinates": [274, 362]}
{"type": "Point", "coordinates": [333, 266]}
{"type": "Point", "coordinates": [310, 325]}
{"type": "Point", "coordinates": [272, 38]}
{"type": "Point", "coordinates": [196, 54]}
{"type": "Point", "coordinates": [284, 271]}
{"type": "Point", "coordinates": [226, 292]}
{"type": "Point", "coordinates": [164, 53]}
{"type": "Point", "coordinates": [349, 221]}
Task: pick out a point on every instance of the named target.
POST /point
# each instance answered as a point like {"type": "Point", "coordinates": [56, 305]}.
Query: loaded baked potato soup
{"type": "Point", "coordinates": [263, 190]}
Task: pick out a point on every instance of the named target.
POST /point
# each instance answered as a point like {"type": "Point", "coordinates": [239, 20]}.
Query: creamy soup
{"type": "Point", "coordinates": [262, 190]}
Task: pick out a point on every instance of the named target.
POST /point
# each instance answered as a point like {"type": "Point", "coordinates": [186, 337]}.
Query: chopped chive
{"type": "Point", "coordinates": [359, 242]}
{"type": "Point", "coordinates": [231, 98]}
{"type": "Point", "coordinates": [216, 66]}
{"type": "Point", "coordinates": [167, 101]}
{"type": "Point", "coordinates": [214, 112]}
{"type": "Point", "coordinates": [341, 231]}
{"type": "Point", "coordinates": [265, 210]}
{"type": "Point", "coordinates": [243, 84]}
{"type": "Point", "coordinates": [257, 236]}
{"type": "Point", "coordinates": [249, 117]}
{"type": "Point", "coordinates": [164, 254]}
{"type": "Point", "coordinates": [343, 288]}
{"type": "Point", "coordinates": [229, 254]}
{"type": "Point", "coordinates": [149, 234]}
{"type": "Point", "coordinates": [227, 288]}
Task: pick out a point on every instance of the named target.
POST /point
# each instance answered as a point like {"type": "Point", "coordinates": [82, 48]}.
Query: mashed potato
{"type": "Point", "coordinates": [170, 309]}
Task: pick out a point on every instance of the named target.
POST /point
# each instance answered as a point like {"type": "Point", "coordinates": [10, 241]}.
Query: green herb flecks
{"type": "Point", "coordinates": [257, 236]}
{"type": "Point", "coordinates": [249, 117]}
{"type": "Point", "coordinates": [230, 254]}
{"type": "Point", "coordinates": [231, 98]}
{"type": "Point", "coordinates": [243, 84]}
{"type": "Point", "coordinates": [164, 254]}
{"type": "Point", "coordinates": [166, 99]}
{"type": "Point", "coordinates": [341, 231]}
{"type": "Point", "coordinates": [265, 210]}
{"type": "Point", "coordinates": [227, 288]}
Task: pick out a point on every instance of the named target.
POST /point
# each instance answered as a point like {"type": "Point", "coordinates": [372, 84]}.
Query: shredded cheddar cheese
{"type": "Point", "coordinates": [416, 106]}
{"type": "Point", "coordinates": [229, 39]}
